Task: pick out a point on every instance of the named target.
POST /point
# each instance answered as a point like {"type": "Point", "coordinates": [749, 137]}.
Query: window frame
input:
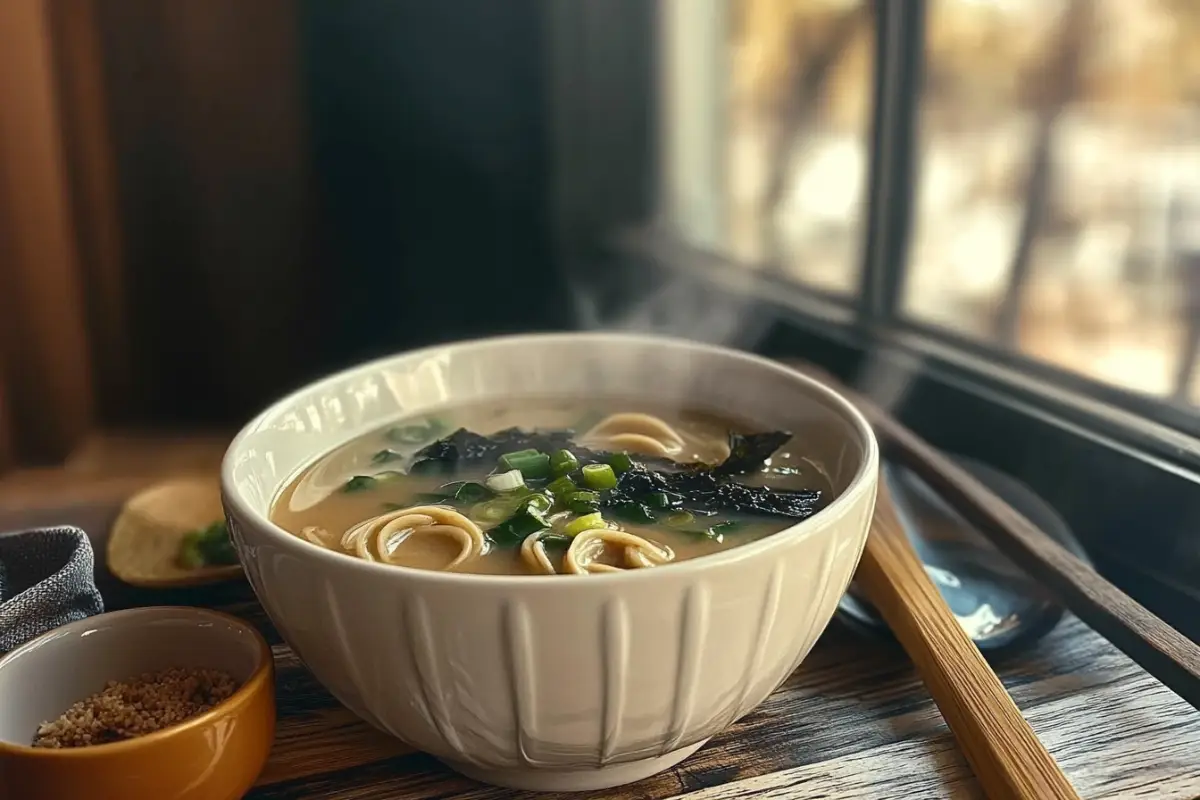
{"type": "Point", "coordinates": [1164, 430]}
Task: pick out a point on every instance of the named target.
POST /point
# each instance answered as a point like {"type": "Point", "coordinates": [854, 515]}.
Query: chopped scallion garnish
{"type": "Point", "coordinates": [585, 523]}
{"type": "Point", "coordinates": [560, 487]}
{"type": "Point", "coordinates": [539, 503]}
{"type": "Point", "coordinates": [583, 502]}
{"type": "Point", "coordinates": [599, 476]}
{"type": "Point", "coordinates": [563, 462]}
{"type": "Point", "coordinates": [207, 547]}
{"type": "Point", "coordinates": [531, 463]}
{"type": "Point", "coordinates": [506, 481]}
{"type": "Point", "coordinates": [621, 462]}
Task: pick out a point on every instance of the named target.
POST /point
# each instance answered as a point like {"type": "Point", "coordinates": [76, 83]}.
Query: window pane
{"type": "Point", "coordinates": [791, 122]}
{"type": "Point", "coordinates": [1059, 191]}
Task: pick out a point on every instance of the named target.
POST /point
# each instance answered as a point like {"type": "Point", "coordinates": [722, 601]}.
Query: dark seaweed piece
{"type": "Point", "coordinates": [700, 488]}
{"type": "Point", "coordinates": [464, 448]}
{"type": "Point", "coordinates": [359, 483]}
{"type": "Point", "coordinates": [748, 452]}
{"type": "Point", "coordinates": [556, 544]}
{"type": "Point", "coordinates": [516, 528]}
{"type": "Point", "coordinates": [385, 456]}
{"type": "Point", "coordinates": [703, 490]}
{"type": "Point", "coordinates": [633, 512]}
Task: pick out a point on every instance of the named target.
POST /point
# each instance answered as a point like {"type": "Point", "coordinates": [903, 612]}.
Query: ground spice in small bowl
{"type": "Point", "coordinates": [138, 706]}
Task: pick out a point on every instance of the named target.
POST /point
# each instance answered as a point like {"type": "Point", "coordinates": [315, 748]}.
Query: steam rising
{"type": "Point", "coordinates": [718, 306]}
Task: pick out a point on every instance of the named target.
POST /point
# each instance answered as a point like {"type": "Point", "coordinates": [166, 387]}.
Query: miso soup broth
{"type": "Point", "coordinates": [545, 487]}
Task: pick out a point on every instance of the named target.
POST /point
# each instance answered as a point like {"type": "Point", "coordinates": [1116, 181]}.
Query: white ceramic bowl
{"type": "Point", "coordinates": [554, 683]}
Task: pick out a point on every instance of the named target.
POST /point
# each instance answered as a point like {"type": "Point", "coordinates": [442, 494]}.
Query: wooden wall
{"type": "Point", "coordinates": [44, 353]}
{"type": "Point", "coordinates": [155, 214]}
{"type": "Point", "coordinates": [204, 201]}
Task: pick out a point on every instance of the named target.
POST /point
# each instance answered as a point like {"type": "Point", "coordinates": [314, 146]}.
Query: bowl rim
{"type": "Point", "coordinates": [868, 468]}
{"type": "Point", "coordinates": [259, 679]}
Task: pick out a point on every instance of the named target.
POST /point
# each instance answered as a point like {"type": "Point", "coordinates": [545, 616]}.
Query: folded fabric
{"type": "Point", "coordinates": [46, 580]}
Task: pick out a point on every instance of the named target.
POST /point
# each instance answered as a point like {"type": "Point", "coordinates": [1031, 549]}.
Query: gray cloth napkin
{"type": "Point", "coordinates": [46, 580]}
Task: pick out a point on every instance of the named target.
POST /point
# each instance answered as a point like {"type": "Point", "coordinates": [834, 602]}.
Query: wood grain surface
{"type": "Point", "coordinates": [1163, 651]}
{"type": "Point", "coordinates": [1005, 754]}
{"type": "Point", "coordinates": [854, 721]}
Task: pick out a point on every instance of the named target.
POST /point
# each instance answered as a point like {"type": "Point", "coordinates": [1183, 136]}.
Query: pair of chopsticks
{"type": "Point", "coordinates": [1002, 749]}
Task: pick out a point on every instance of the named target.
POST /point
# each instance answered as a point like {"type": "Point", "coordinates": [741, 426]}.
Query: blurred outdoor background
{"type": "Point", "coordinates": [1058, 171]}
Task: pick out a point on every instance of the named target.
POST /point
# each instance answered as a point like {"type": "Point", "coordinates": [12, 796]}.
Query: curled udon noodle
{"type": "Point", "coordinates": [588, 546]}
{"type": "Point", "coordinates": [378, 538]}
{"type": "Point", "coordinates": [533, 553]}
{"type": "Point", "coordinates": [644, 434]}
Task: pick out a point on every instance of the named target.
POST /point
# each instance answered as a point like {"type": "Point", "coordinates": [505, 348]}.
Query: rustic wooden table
{"type": "Point", "coordinates": [853, 721]}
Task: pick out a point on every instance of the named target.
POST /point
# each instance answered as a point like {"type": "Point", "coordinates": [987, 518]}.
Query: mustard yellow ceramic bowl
{"type": "Point", "coordinates": [216, 755]}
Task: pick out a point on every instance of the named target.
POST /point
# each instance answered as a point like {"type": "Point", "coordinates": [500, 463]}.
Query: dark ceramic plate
{"type": "Point", "coordinates": [998, 604]}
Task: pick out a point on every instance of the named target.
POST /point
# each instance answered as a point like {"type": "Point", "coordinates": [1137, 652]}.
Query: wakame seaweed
{"type": "Point", "coordinates": [646, 486]}
{"type": "Point", "coordinates": [706, 490]}
{"type": "Point", "coordinates": [749, 452]}
{"type": "Point", "coordinates": [465, 448]}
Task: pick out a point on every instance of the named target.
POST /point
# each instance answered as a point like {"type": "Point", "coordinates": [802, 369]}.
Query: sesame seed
{"type": "Point", "coordinates": [137, 706]}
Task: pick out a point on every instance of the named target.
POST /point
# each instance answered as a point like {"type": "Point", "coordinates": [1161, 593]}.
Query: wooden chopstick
{"type": "Point", "coordinates": [1161, 650]}
{"type": "Point", "coordinates": [1006, 755]}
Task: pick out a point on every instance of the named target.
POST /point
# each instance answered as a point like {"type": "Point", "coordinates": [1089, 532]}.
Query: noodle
{"type": "Point", "coordinates": [533, 553]}
{"type": "Point", "coordinates": [644, 434]}
{"type": "Point", "coordinates": [378, 538]}
{"type": "Point", "coordinates": [586, 547]}
{"type": "Point", "coordinates": [525, 488]}
{"type": "Point", "coordinates": [635, 432]}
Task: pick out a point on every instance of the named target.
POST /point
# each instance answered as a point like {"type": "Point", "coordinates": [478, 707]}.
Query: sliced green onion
{"type": "Point", "coordinates": [560, 487]}
{"type": "Point", "coordinates": [519, 454]}
{"type": "Point", "coordinates": [599, 476]}
{"type": "Point", "coordinates": [207, 547]}
{"type": "Point", "coordinates": [531, 463]}
{"type": "Point", "coordinates": [359, 483]}
{"type": "Point", "coordinates": [621, 462]}
{"type": "Point", "coordinates": [506, 481]}
{"type": "Point", "coordinates": [539, 503]}
{"type": "Point", "coordinates": [585, 523]}
{"type": "Point", "coordinates": [563, 461]}
{"type": "Point", "coordinates": [496, 510]}
{"type": "Point", "coordinates": [583, 502]}
{"type": "Point", "coordinates": [190, 556]}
